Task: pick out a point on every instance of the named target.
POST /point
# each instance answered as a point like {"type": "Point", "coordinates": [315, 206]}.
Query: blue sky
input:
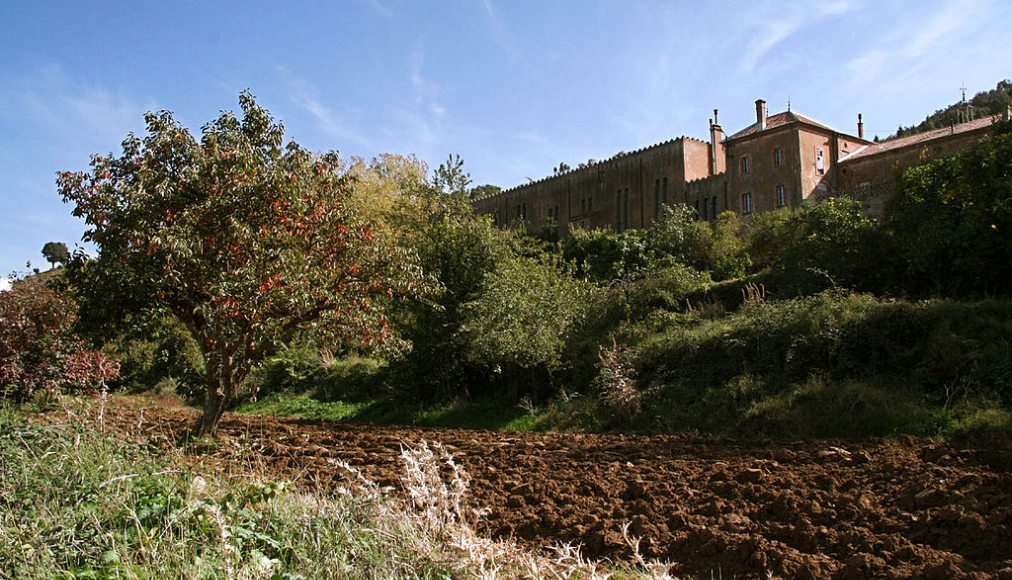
{"type": "Point", "coordinates": [514, 87]}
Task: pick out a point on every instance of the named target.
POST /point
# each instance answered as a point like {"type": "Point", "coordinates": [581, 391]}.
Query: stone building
{"type": "Point", "coordinates": [781, 160]}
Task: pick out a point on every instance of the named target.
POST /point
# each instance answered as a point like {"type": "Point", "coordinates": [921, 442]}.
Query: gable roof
{"type": "Point", "coordinates": [900, 142]}
{"type": "Point", "coordinates": [780, 120]}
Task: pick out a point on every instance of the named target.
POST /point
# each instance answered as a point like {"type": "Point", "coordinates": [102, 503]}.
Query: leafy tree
{"type": "Point", "coordinates": [456, 249]}
{"type": "Point", "coordinates": [55, 253]}
{"type": "Point", "coordinates": [386, 184]}
{"type": "Point", "coordinates": [38, 350]}
{"type": "Point", "coordinates": [604, 256]}
{"type": "Point", "coordinates": [520, 322]}
{"type": "Point", "coordinates": [483, 191]}
{"type": "Point", "coordinates": [952, 220]}
{"type": "Point", "coordinates": [451, 178]}
{"type": "Point", "coordinates": [243, 238]}
{"type": "Point", "coordinates": [833, 243]}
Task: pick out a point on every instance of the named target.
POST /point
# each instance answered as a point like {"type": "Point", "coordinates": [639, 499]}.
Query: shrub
{"type": "Point", "coordinates": [604, 256]}
{"type": "Point", "coordinates": [38, 350]}
{"type": "Point", "coordinates": [952, 221]}
{"type": "Point", "coordinates": [941, 354]}
{"type": "Point", "coordinates": [832, 244]}
{"type": "Point", "coordinates": [522, 319]}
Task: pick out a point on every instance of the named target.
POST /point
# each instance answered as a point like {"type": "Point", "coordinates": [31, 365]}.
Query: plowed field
{"type": "Point", "coordinates": [808, 509]}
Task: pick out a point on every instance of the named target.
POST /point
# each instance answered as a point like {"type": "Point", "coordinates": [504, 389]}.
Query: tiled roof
{"type": "Point", "coordinates": [900, 142]}
{"type": "Point", "coordinates": [779, 120]}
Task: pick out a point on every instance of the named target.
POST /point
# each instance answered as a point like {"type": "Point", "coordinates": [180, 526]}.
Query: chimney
{"type": "Point", "coordinates": [717, 161]}
{"type": "Point", "coordinates": [860, 127]}
{"type": "Point", "coordinates": [760, 114]}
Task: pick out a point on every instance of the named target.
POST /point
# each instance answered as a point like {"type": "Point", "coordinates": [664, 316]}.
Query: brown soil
{"type": "Point", "coordinates": [714, 507]}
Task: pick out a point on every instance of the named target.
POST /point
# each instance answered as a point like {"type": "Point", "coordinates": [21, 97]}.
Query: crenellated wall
{"type": "Point", "coordinates": [781, 160]}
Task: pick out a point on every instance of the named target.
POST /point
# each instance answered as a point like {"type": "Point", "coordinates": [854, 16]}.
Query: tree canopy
{"type": "Point", "coordinates": [56, 253]}
{"type": "Point", "coordinates": [244, 238]}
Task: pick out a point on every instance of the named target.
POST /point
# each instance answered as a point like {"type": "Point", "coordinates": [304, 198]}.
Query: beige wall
{"type": "Point", "coordinates": [872, 178]}
{"type": "Point", "coordinates": [621, 192]}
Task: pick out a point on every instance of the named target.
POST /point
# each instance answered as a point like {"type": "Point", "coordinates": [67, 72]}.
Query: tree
{"type": "Point", "coordinates": [55, 253]}
{"type": "Point", "coordinates": [952, 220]}
{"type": "Point", "coordinates": [245, 239]}
{"type": "Point", "coordinates": [451, 178]}
{"type": "Point", "coordinates": [483, 191]}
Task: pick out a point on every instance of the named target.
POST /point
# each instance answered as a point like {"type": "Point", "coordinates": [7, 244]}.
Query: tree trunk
{"type": "Point", "coordinates": [220, 392]}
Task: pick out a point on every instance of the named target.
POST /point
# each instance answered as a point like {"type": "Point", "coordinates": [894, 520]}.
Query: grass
{"type": "Point", "coordinates": [77, 503]}
{"type": "Point", "coordinates": [490, 414]}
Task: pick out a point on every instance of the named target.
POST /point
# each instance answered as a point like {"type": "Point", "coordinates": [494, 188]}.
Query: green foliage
{"type": "Point", "coordinates": [56, 253]}
{"type": "Point", "coordinates": [245, 239]}
{"type": "Point", "coordinates": [483, 191]}
{"type": "Point", "coordinates": [952, 221]}
{"type": "Point", "coordinates": [521, 320]}
{"type": "Point", "coordinates": [458, 251]}
{"type": "Point", "coordinates": [831, 244]}
{"type": "Point", "coordinates": [158, 350]}
{"type": "Point", "coordinates": [738, 372]}
{"type": "Point", "coordinates": [603, 256]}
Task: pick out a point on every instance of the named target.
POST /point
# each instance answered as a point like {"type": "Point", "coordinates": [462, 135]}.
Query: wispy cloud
{"type": "Point", "coordinates": [500, 34]}
{"type": "Point", "coordinates": [929, 39]}
{"type": "Point", "coordinates": [378, 7]}
{"type": "Point", "coordinates": [79, 111]}
{"type": "Point", "coordinates": [330, 122]}
{"type": "Point", "coordinates": [770, 25]}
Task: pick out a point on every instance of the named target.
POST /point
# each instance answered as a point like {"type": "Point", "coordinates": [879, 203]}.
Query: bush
{"type": "Point", "coordinates": [603, 256]}
{"type": "Point", "coordinates": [712, 374]}
{"type": "Point", "coordinates": [158, 350]}
{"type": "Point", "coordinates": [521, 321]}
{"type": "Point", "coordinates": [952, 221]}
{"type": "Point", "coordinates": [831, 244]}
{"type": "Point", "coordinates": [38, 350]}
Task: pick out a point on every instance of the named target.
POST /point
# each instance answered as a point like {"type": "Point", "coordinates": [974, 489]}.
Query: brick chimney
{"type": "Point", "coordinates": [860, 127]}
{"type": "Point", "coordinates": [760, 114]}
{"type": "Point", "coordinates": [717, 162]}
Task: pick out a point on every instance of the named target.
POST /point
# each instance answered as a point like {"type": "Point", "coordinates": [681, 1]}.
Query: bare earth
{"type": "Point", "coordinates": [808, 509]}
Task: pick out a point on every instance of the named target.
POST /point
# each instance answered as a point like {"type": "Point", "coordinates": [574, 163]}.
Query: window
{"type": "Point", "coordinates": [618, 210]}
{"type": "Point", "coordinates": [744, 164]}
{"type": "Point", "coordinates": [778, 157]}
{"type": "Point", "coordinates": [781, 196]}
{"type": "Point", "coordinates": [820, 162]}
{"type": "Point", "coordinates": [625, 209]}
{"type": "Point", "coordinates": [746, 203]}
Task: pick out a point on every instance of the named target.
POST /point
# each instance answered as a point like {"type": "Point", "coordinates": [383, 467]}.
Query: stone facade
{"type": "Point", "coordinates": [781, 160]}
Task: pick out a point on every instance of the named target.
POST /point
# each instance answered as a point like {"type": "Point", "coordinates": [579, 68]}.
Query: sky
{"type": "Point", "coordinates": [514, 87]}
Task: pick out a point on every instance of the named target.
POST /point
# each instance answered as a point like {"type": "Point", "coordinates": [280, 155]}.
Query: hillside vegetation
{"type": "Point", "coordinates": [816, 321]}
{"type": "Point", "coordinates": [985, 103]}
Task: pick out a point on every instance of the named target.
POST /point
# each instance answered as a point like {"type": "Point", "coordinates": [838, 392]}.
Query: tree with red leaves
{"type": "Point", "coordinates": [244, 238]}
